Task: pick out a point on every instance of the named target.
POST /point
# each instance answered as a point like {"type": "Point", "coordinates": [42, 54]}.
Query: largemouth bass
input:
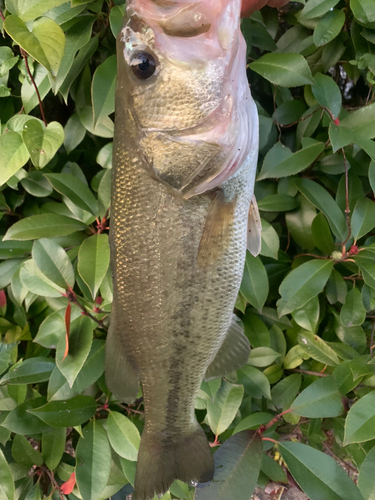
{"type": "Point", "coordinates": [185, 154]}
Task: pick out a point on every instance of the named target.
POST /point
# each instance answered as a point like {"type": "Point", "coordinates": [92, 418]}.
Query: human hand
{"type": "Point", "coordinates": [250, 6]}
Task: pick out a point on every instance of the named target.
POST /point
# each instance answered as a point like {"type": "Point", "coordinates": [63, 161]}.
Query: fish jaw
{"type": "Point", "coordinates": [199, 94]}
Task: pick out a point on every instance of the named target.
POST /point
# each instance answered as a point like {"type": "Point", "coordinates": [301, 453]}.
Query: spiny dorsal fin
{"type": "Point", "coordinates": [254, 229]}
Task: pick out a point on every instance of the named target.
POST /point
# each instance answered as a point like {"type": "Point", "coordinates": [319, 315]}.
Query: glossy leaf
{"type": "Point", "coordinates": [318, 349]}
{"type": "Point", "coordinates": [328, 27]}
{"type": "Point", "coordinates": [6, 479]}
{"type": "Point", "coordinates": [28, 10]}
{"type": "Point", "coordinates": [75, 190]}
{"type": "Point", "coordinates": [317, 8]}
{"type": "Point", "coordinates": [327, 93]}
{"type": "Point", "coordinates": [353, 312]}
{"type": "Point", "coordinates": [303, 284]}
{"type": "Point", "coordinates": [317, 473]}
{"type": "Point", "coordinates": [254, 381]}
{"type": "Point", "coordinates": [103, 89]}
{"type": "Point", "coordinates": [223, 409]}
{"type": "Point", "coordinates": [43, 226]}
{"type": "Point", "coordinates": [53, 262]}
{"type": "Point", "coordinates": [359, 424]}
{"type": "Point", "coordinates": [366, 478]}
{"type": "Point", "coordinates": [45, 42]}
{"type": "Point", "coordinates": [93, 461]}
{"type": "Point", "coordinates": [93, 261]}
{"type": "Point", "coordinates": [237, 466]}
{"type": "Point", "coordinates": [53, 446]}
{"type": "Point", "coordinates": [36, 282]}
{"type": "Point", "coordinates": [321, 399]}
{"type": "Point", "coordinates": [14, 155]}
{"type": "Point", "coordinates": [363, 218]}
{"type": "Point", "coordinates": [42, 142]}
{"type": "Point", "coordinates": [286, 70]}
{"type": "Point", "coordinates": [123, 435]}
{"type": "Point", "coordinates": [307, 316]}
{"type": "Point", "coordinates": [22, 422]}
{"type": "Point", "coordinates": [70, 361]}
{"type": "Point", "coordinates": [30, 371]}
{"type": "Point", "coordinates": [24, 454]}
{"type": "Point", "coordinates": [254, 286]}
{"type": "Point", "coordinates": [285, 391]}
{"type": "Point", "coordinates": [69, 413]}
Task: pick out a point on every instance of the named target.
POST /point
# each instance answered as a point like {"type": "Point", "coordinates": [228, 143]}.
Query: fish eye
{"type": "Point", "coordinates": [143, 65]}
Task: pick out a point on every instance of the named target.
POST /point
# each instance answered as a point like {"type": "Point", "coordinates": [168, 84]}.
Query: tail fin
{"type": "Point", "coordinates": [161, 461]}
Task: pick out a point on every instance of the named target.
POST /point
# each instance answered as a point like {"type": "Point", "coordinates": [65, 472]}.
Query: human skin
{"type": "Point", "coordinates": [250, 6]}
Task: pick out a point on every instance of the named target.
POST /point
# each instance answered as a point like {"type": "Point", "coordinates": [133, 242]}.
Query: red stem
{"type": "Point", "coordinates": [24, 55]}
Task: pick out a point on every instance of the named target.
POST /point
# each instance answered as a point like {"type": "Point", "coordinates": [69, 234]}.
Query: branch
{"type": "Point", "coordinates": [24, 55]}
{"type": "Point", "coordinates": [73, 298]}
{"type": "Point", "coordinates": [2, 15]}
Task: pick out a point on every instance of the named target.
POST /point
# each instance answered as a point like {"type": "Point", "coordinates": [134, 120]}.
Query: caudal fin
{"type": "Point", "coordinates": [160, 462]}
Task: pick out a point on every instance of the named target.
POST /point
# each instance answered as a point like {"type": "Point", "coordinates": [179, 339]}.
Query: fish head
{"type": "Point", "coordinates": [182, 77]}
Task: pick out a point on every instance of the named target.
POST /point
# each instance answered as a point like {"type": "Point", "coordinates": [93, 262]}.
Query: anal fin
{"type": "Point", "coordinates": [254, 229]}
{"type": "Point", "coordinates": [233, 354]}
{"type": "Point", "coordinates": [121, 374]}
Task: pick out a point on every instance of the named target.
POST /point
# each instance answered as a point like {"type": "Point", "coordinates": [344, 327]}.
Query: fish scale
{"type": "Point", "coordinates": [177, 263]}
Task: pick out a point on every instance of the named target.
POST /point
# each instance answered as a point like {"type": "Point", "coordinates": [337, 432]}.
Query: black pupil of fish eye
{"type": "Point", "coordinates": [145, 66]}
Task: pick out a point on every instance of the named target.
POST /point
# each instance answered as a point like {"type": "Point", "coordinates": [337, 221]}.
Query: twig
{"type": "Point", "coordinates": [308, 372]}
{"type": "Point", "coordinates": [24, 55]}
{"type": "Point", "coordinates": [73, 298]}
{"type": "Point", "coordinates": [347, 208]}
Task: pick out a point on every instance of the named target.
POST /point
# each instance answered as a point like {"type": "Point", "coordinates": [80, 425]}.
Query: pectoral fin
{"type": "Point", "coordinates": [233, 354]}
{"type": "Point", "coordinates": [254, 229]}
{"type": "Point", "coordinates": [121, 374]}
{"type": "Point", "coordinates": [216, 233]}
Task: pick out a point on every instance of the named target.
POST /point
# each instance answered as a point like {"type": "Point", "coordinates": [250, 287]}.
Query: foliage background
{"type": "Point", "coordinates": [306, 397]}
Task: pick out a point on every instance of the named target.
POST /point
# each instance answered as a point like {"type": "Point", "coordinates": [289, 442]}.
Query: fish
{"type": "Point", "coordinates": [182, 215]}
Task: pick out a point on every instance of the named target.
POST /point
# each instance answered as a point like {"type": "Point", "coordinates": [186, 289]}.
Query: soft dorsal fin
{"type": "Point", "coordinates": [233, 354]}
{"type": "Point", "coordinates": [254, 229]}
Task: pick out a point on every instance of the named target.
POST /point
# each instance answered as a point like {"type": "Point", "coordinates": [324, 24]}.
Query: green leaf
{"type": "Point", "coordinates": [74, 189]}
{"type": "Point", "coordinates": [307, 316]}
{"type": "Point", "coordinates": [284, 69]}
{"type": "Point", "coordinates": [281, 162]}
{"type": "Point", "coordinates": [322, 200]}
{"type": "Point", "coordinates": [36, 282]}
{"type": "Point", "coordinates": [103, 89]}
{"type": "Point", "coordinates": [326, 91]}
{"type": "Point", "coordinates": [360, 422]}
{"type": "Point", "coordinates": [363, 218]}
{"type": "Point", "coordinates": [115, 18]}
{"type": "Point", "coordinates": [24, 454]}
{"type": "Point", "coordinates": [92, 370]}
{"type": "Point", "coordinates": [28, 10]}
{"type": "Point", "coordinates": [93, 461]}
{"type": "Point", "coordinates": [363, 10]}
{"type": "Point", "coordinates": [123, 435]}
{"type": "Point", "coordinates": [321, 399]}
{"type": "Point", "coordinates": [365, 261]}
{"type": "Point", "coordinates": [328, 28]}
{"type": "Point", "coordinates": [285, 391]}
{"type": "Point", "coordinates": [322, 235]}
{"type": "Point", "coordinates": [93, 261]}
{"type": "Point", "coordinates": [361, 122]}
{"type": "Point", "coordinates": [222, 411]}
{"type": "Point", "coordinates": [74, 133]}
{"type": "Point", "coordinates": [317, 8]}
{"type": "Point", "coordinates": [302, 284]}
{"type": "Point", "coordinates": [42, 142]}
{"type": "Point", "coordinates": [53, 262]}
{"type": "Point", "coordinates": [318, 474]}
{"type": "Point", "coordinates": [366, 478]}
{"type": "Point", "coordinates": [299, 223]}
{"type": "Point", "coordinates": [43, 226]}
{"type": "Point", "coordinates": [353, 312]}
{"type": "Point", "coordinates": [253, 421]}
{"type": "Point", "coordinates": [237, 466]}
{"type": "Point", "coordinates": [36, 185]}
{"type": "Point", "coordinates": [45, 42]}
{"type": "Point", "coordinates": [263, 356]}
{"type": "Point", "coordinates": [51, 330]}
{"type": "Point", "coordinates": [13, 156]}
{"type": "Point", "coordinates": [318, 349]}
{"type": "Point", "coordinates": [273, 470]}
{"type": "Point", "coordinates": [270, 241]}
{"type": "Point", "coordinates": [103, 128]}
{"type": "Point", "coordinates": [279, 202]}
{"type": "Point", "coordinates": [30, 371]}
{"type": "Point", "coordinates": [80, 341]}
{"type": "Point", "coordinates": [6, 480]}
{"type": "Point", "coordinates": [69, 413]}
{"type": "Point", "coordinates": [21, 421]}
{"type": "Point", "coordinates": [53, 446]}
{"type": "Point", "coordinates": [254, 381]}
{"type": "Point", "coordinates": [289, 112]}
